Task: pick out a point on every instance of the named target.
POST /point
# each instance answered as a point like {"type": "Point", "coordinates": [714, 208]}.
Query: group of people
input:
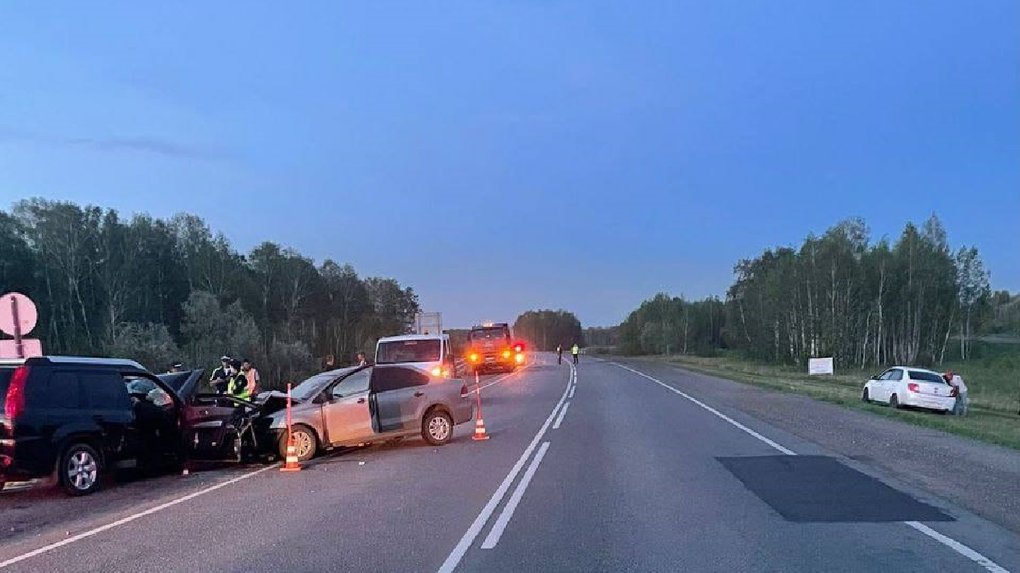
{"type": "Point", "coordinates": [237, 378]}
{"type": "Point", "coordinates": [574, 351]}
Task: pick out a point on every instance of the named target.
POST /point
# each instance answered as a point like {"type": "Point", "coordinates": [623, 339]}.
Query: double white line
{"type": "Point", "coordinates": [504, 518]}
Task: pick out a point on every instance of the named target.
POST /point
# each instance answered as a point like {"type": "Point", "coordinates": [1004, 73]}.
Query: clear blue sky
{"type": "Point", "coordinates": [500, 156]}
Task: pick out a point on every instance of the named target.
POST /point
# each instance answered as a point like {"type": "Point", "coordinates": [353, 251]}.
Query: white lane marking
{"type": "Point", "coordinates": [129, 518]}
{"type": "Point", "coordinates": [571, 394]}
{"type": "Point", "coordinates": [559, 419]}
{"type": "Point", "coordinates": [943, 539]}
{"type": "Point", "coordinates": [498, 380]}
{"type": "Point", "coordinates": [735, 423]}
{"type": "Point", "coordinates": [508, 511]}
{"type": "Point", "coordinates": [471, 534]}
{"type": "Point", "coordinates": [958, 547]}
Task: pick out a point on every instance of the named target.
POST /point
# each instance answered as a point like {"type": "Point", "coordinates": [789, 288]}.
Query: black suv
{"type": "Point", "coordinates": [84, 416]}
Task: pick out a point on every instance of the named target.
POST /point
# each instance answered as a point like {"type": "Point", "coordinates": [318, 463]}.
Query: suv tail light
{"type": "Point", "coordinates": [913, 387]}
{"type": "Point", "coordinates": [15, 403]}
{"type": "Point", "coordinates": [506, 353]}
{"type": "Point", "coordinates": [518, 347]}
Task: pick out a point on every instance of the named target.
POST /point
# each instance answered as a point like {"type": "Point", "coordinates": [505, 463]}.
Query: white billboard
{"type": "Point", "coordinates": [820, 366]}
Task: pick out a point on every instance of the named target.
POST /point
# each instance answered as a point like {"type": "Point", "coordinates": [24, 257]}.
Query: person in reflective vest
{"type": "Point", "coordinates": [238, 383]}
{"type": "Point", "coordinates": [575, 350]}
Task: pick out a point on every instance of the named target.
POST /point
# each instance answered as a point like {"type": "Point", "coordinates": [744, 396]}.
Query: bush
{"type": "Point", "coordinates": [148, 343]}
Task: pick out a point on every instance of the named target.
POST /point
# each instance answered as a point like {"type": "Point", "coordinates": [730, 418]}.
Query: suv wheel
{"type": "Point", "coordinates": [80, 469]}
{"type": "Point", "coordinates": [437, 427]}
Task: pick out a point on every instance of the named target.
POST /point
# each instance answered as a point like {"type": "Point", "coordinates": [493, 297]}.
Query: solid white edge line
{"type": "Point", "coordinates": [559, 419]}
{"type": "Point", "coordinates": [129, 519]}
{"type": "Point", "coordinates": [722, 416]}
{"type": "Point", "coordinates": [472, 532]}
{"type": "Point", "coordinates": [958, 547]}
{"type": "Point", "coordinates": [571, 394]}
{"type": "Point", "coordinates": [943, 539]}
{"type": "Point", "coordinates": [508, 511]}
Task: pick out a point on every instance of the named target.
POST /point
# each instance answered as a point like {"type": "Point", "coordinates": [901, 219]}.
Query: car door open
{"type": "Point", "coordinates": [346, 412]}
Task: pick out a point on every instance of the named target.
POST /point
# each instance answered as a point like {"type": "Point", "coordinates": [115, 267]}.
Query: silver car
{"type": "Point", "coordinates": [352, 406]}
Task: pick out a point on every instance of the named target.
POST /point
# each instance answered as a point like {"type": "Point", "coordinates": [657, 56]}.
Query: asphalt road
{"type": "Point", "coordinates": [616, 472]}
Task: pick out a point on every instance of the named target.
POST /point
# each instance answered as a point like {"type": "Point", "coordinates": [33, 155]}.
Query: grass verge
{"type": "Point", "coordinates": [993, 417]}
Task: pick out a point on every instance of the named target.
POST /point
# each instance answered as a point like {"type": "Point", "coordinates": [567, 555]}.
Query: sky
{"type": "Point", "coordinates": [503, 156]}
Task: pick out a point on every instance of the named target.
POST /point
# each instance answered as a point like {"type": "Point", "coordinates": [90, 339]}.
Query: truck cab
{"type": "Point", "coordinates": [491, 349]}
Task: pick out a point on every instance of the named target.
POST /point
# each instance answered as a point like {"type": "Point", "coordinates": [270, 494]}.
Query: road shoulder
{"type": "Point", "coordinates": [979, 477]}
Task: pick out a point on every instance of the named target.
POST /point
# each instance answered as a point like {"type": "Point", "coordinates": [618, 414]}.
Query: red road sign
{"type": "Point", "coordinates": [16, 303]}
{"type": "Point", "coordinates": [29, 347]}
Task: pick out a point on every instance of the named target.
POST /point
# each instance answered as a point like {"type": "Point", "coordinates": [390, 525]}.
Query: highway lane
{"type": "Point", "coordinates": [396, 507]}
{"type": "Point", "coordinates": [638, 478]}
{"type": "Point", "coordinates": [613, 472]}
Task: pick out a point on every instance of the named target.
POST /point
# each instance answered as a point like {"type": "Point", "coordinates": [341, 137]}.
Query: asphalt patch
{"type": "Point", "coordinates": [821, 489]}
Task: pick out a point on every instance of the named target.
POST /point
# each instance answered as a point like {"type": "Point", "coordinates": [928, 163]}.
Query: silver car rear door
{"type": "Point", "coordinates": [398, 393]}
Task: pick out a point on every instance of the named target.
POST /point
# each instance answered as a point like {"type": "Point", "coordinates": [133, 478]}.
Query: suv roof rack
{"type": "Point", "coordinates": [122, 362]}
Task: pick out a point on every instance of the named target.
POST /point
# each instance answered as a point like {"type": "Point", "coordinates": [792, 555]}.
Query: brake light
{"type": "Point", "coordinates": [518, 347]}
{"type": "Point", "coordinates": [506, 353]}
{"type": "Point", "coordinates": [520, 358]}
{"type": "Point", "coordinates": [913, 387]}
{"type": "Point", "coordinates": [15, 403]}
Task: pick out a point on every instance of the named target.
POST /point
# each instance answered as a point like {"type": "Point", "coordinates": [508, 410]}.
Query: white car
{"type": "Point", "coordinates": [903, 386]}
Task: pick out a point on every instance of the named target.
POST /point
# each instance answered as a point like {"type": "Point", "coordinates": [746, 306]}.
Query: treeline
{"type": "Point", "coordinates": [545, 329]}
{"type": "Point", "coordinates": [836, 295]}
{"type": "Point", "coordinates": [162, 290]}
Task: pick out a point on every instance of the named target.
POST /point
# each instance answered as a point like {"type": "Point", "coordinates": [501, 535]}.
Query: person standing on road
{"type": "Point", "coordinates": [575, 350]}
{"type": "Point", "coordinates": [238, 386]}
{"type": "Point", "coordinates": [251, 375]}
{"type": "Point", "coordinates": [559, 354]}
{"type": "Point", "coordinates": [220, 379]}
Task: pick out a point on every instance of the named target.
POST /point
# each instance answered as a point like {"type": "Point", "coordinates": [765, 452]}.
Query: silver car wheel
{"type": "Point", "coordinates": [439, 428]}
{"type": "Point", "coordinates": [82, 470]}
{"type": "Point", "coordinates": [303, 444]}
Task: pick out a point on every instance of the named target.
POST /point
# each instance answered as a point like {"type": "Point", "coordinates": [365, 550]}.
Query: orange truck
{"type": "Point", "coordinates": [491, 348]}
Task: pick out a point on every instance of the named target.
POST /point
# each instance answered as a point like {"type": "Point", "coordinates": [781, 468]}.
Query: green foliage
{"type": "Point", "coordinates": [836, 295]}
{"type": "Point", "coordinates": [545, 329]}
{"type": "Point", "coordinates": [104, 284]}
{"type": "Point", "coordinates": [667, 325]}
{"type": "Point", "coordinates": [149, 344]}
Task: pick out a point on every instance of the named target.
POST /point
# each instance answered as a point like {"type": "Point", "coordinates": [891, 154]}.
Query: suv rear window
{"type": "Point", "coordinates": [398, 351]}
{"type": "Point", "coordinates": [926, 377]}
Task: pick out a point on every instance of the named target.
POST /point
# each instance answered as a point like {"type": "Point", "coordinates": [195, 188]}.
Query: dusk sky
{"type": "Point", "coordinates": [501, 156]}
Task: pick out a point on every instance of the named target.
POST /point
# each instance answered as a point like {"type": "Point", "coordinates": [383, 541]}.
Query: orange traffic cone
{"type": "Point", "coordinates": [291, 464]}
{"type": "Point", "coordinates": [480, 430]}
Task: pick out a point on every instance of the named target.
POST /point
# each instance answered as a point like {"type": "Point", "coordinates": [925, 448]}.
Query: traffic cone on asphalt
{"type": "Point", "coordinates": [480, 430]}
{"type": "Point", "coordinates": [291, 463]}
